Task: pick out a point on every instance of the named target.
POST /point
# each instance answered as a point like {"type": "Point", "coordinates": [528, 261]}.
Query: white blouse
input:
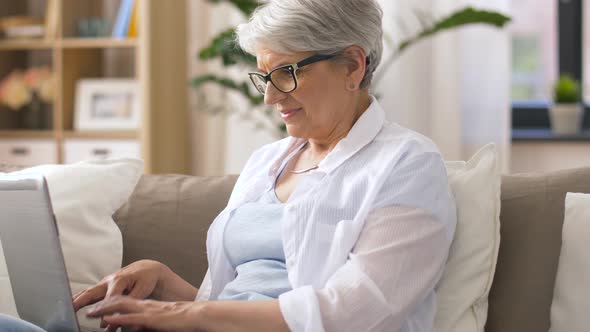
{"type": "Point", "coordinates": [366, 235]}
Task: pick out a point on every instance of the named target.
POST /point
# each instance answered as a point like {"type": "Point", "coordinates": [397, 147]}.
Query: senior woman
{"type": "Point", "coordinates": [344, 226]}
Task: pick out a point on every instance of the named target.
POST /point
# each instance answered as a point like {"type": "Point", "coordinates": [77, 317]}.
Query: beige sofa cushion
{"type": "Point", "coordinates": [571, 305]}
{"type": "Point", "coordinates": [462, 292]}
{"type": "Point", "coordinates": [531, 221]}
{"type": "Point", "coordinates": [167, 217]}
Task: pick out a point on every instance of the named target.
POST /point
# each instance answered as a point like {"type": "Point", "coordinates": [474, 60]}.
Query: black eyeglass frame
{"type": "Point", "coordinates": [292, 69]}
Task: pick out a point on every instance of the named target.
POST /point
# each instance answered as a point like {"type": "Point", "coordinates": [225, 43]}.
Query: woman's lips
{"type": "Point", "coordinates": [287, 114]}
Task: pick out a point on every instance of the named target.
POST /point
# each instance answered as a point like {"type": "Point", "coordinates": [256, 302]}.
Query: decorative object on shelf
{"type": "Point", "coordinates": [107, 104]}
{"type": "Point", "coordinates": [93, 27]}
{"type": "Point", "coordinates": [30, 93]}
{"type": "Point", "coordinates": [133, 23]}
{"type": "Point", "coordinates": [22, 27]}
{"type": "Point", "coordinates": [567, 110]}
{"type": "Point", "coordinates": [51, 19]}
{"type": "Point", "coordinates": [126, 22]}
{"type": "Point", "coordinates": [224, 47]}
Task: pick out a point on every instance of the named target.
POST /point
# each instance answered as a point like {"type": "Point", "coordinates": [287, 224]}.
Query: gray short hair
{"type": "Point", "coordinates": [319, 26]}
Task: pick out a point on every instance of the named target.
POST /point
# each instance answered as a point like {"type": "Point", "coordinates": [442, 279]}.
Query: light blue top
{"type": "Point", "coordinates": [253, 244]}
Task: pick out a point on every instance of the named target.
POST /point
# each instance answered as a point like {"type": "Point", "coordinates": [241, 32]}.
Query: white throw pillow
{"type": "Point", "coordinates": [570, 310]}
{"type": "Point", "coordinates": [462, 293]}
{"type": "Point", "coordinates": [84, 196]}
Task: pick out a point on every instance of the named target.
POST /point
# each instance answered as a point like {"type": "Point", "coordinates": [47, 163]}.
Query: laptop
{"type": "Point", "coordinates": [33, 254]}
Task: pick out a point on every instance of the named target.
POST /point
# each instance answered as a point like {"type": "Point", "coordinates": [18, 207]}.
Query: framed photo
{"type": "Point", "coordinates": [107, 104]}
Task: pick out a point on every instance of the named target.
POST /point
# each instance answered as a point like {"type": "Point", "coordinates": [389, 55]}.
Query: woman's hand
{"type": "Point", "coordinates": [137, 280]}
{"type": "Point", "coordinates": [149, 315]}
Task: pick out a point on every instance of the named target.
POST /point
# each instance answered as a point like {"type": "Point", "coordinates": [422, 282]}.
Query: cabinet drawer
{"type": "Point", "coordinates": [28, 152]}
{"type": "Point", "coordinates": [76, 150]}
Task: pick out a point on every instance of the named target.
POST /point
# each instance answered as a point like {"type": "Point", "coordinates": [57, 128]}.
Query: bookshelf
{"type": "Point", "coordinates": [155, 58]}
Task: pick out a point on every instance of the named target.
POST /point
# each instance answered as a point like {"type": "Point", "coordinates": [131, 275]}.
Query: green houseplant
{"type": "Point", "coordinates": [566, 112]}
{"type": "Point", "coordinates": [224, 47]}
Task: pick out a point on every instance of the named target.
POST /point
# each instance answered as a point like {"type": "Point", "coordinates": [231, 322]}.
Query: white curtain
{"type": "Point", "coordinates": [453, 87]}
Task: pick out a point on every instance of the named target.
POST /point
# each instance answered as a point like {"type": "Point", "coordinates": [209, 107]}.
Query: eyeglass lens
{"type": "Point", "coordinates": [282, 78]}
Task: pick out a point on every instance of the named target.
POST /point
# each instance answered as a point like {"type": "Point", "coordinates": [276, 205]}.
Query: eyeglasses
{"type": "Point", "coordinates": [284, 78]}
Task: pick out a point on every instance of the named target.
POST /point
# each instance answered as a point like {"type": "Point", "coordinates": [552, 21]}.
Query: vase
{"type": "Point", "coordinates": [566, 119]}
{"type": "Point", "coordinates": [36, 115]}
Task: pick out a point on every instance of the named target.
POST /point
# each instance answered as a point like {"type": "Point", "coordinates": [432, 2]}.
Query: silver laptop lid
{"type": "Point", "coordinates": [33, 254]}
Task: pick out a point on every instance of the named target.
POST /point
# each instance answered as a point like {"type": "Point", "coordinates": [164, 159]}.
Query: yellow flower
{"type": "Point", "coordinates": [14, 92]}
{"type": "Point", "coordinates": [40, 79]}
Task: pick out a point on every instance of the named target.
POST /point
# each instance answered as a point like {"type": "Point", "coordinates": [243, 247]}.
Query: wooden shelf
{"type": "Point", "coordinates": [25, 44]}
{"type": "Point", "coordinates": [97, 42]}
{"type": "Point", "coordinates": [156, 59]}
{"type": "Point", "coordinates": [35, 44]}
{"type": "Point", "coordinates": [27, 134]}
{"type": "Point", "coordinates": [123, 134]}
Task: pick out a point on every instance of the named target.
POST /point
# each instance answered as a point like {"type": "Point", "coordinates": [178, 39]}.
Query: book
{"type": "Point", "coordinates": [123, 18]}
{"type": "Point", "coordinates": [22, 27]}
{"type": "Point", "coordinates": [133, 22]}
{"type": "Point", "coordinates": [25, 31]}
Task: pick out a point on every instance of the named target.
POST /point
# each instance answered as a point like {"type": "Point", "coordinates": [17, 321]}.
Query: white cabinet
{"type": "Point", "coordinates": [28, 152]}
{"type": "Point", "coordinates": [75, 150]}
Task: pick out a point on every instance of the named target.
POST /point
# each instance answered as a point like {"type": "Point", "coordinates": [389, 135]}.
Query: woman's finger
{"type": "Point", "coordinates": [139, 292]}
{"type": "Point", "coordinates": [111, 328]}
{"type": "Point", "coordinates": [89, 296]}
{"type": "Point", "coordinates": [138, 320]}
{"type": "Point", "coordinates": [78, 294]}
{"type": "Point", "coordinates": [116, 304]}
{"type": "Point", "coordinates": [107, 327]}
{"type": "Point", "coordinates": [116, 287]}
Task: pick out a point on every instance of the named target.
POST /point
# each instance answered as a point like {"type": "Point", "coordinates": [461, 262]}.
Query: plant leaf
{"type": "Point", "coordinates": [567, 89]}
{"type": "Point", "coordinates": [468, 15]}
{"type": "Point", "coordinates": [224, 46]}
{"type": "Point", "coordinates": [245, 6]}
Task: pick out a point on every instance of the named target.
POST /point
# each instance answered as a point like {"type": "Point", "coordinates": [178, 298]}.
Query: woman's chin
{"type": "Point", "coordinates": [294, 131]}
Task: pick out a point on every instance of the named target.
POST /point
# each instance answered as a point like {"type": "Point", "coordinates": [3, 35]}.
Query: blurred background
{"type": "Point", "coordinates": [84, 79]}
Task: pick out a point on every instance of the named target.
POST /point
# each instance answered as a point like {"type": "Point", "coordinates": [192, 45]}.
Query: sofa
{"type": "Point", "coordinates": [167, 217]}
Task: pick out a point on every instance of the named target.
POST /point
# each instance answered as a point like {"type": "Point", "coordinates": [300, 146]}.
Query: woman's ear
{"type": "Point", "coordinates": [355, 66]}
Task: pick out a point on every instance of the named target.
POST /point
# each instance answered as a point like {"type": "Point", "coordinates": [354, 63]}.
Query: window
{"type": "Point", "coordinates": [534, 49]}
{"type": "Point", "coordinates": [547, 41]}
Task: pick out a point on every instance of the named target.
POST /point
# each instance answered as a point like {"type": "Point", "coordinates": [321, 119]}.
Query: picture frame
{"type": "Point", "coordinates": [107, 104]}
